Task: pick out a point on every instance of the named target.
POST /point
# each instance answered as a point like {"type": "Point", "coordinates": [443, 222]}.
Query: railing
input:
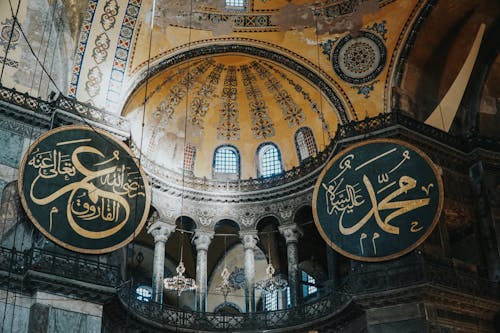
{"type": "Point", "coordinates": [415, 272]}
{"type": "Point", "coordinates": [311, 167]}
{"type": "Point", "coordinates": [67, 266]}
{"type": "Point", "coordinates": [44, 108]}
{"type": "Point", "coordinates": [168, 316]}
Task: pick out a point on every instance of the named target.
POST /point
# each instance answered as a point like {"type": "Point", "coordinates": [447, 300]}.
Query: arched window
{"type": "Point", "coordinates": [144, 293]}
{"type": "Point", "coordinates": [269, 160]}
{"type": "Point", "coordinates": [189, 155]}
{"type": "Point", "coordinates": [236, 4]}
{"type": "Point", "coordinates": [271, 300]}
{"type": "Point", "coordinates": [226, 161]}
{"type": "Point", "coordinates": [308, 285]}
{"type": "Point", "coordinates": [305, 144]}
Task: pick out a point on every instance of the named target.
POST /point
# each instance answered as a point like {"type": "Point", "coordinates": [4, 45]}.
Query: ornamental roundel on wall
{"type": "Point", "coordinates": [83, 189]}
{"type": "Point", "coordinates": [359, 60]}
{"type": "Point", "coordinates": [377, 200]}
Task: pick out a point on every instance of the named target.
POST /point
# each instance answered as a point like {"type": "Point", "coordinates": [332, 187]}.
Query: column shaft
{"type": "Point", "coordinates": [293, 271]}
{"type": "Point", "coordinates": [158, 271]}
{"type": "Point", "coordinates": [250, 280]}
{"type": "Point", "coordinates": [201, 280]}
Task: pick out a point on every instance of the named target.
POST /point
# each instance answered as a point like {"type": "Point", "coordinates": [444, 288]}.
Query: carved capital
{"type": "Point", "coordinates": [249, 239]}
{"type": "Point", "coordinates": [291, 232]}
{"type": "Point", "coordinates": [202, 239]}
{"type": "Point", "coordinates": [161, 231]}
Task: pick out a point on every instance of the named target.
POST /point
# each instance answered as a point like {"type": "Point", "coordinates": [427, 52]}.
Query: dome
{"type": "Point", "coordinates": [234, 101]}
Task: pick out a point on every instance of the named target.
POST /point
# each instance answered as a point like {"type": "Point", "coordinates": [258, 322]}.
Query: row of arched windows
{"type": "Point", "coordinates": [226, 160]}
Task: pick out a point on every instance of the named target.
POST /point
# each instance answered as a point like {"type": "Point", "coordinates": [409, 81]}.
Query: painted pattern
{"type": "Point", "coordinates": [307, 97]}
{"type": "Point", "coordinates": [82, 45]}
{"type": "Point", "coordinates": [262, 125]}
{"type": "Point", "coordinates": [101, 46]}
{"type": "Point", "coordinates": [229, 128]}
{"type": "Point", "coordinates": [122, 52]}
{"type": "Point", "coordinates": [165, 110]}
{"type": "Point", "coordinates": [292, 113]}
{"type": "Point", "coordinates": [201, 102]}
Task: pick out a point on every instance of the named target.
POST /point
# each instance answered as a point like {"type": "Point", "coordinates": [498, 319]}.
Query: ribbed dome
{"type": "Point", "coordinates": [234, 100]}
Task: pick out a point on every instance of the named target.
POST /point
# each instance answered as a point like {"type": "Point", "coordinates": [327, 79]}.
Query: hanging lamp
{"type": "Point", "coordinates": [180, 283]}
{"type": "Point", "coordinates": [224, 287]}
{"type": "Point", "coordinates": [272, 283]}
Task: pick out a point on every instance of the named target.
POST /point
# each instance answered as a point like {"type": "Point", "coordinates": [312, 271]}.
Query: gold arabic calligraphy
{"type": "Point", "coordinates": [87, 200]}
{"type": "Point", "coordinates": [343, 198]}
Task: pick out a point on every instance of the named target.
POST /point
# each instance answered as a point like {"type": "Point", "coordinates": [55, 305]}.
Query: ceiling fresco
{"type": "Point", "coordinates": [232, 99]}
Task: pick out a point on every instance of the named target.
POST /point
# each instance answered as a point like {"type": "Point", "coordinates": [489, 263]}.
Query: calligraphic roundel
{"type": "Point", "coordinates": [377, 200]}
{"type": "Point", "coordinates": [83, 189]}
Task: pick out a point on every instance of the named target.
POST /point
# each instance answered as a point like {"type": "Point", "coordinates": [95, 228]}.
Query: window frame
{"type": "Point", "coordinates": [305, 131]}
{"type": "Point", "coordinates": [226, 175]}
{"type": "Point", "coordinates": [261, 150]}
{"type": "Point", "coordinates": [140, 296]}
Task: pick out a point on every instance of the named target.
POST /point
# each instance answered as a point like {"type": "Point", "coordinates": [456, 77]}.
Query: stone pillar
{"type": "Point", "coordinates": [249, 240]}
{"type": "Point", "coordinates": [291, 233]}
{"type": "Point", "coordinates": [202, 239]}
{"type": "Point", "coordinates": [160, 232]}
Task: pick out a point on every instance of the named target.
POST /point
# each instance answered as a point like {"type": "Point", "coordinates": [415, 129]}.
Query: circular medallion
{"type": "Point", "coordinates": [360, 59]}
{"type": "Point", "coordinates": [83, 189]}
{"type": "Point", "coordinates": [377, 200]}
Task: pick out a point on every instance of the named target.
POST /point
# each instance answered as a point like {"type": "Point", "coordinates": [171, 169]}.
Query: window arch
{"type": "Point", "coordinates": [226, 161]}
{"type": "Point", "coordinates": [269, 158]}
{"type": "Point", "coordinates": [305, 144]}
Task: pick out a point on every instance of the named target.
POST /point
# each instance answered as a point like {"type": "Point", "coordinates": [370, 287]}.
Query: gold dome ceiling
{"type": "Point", "coordinates": [236, 100]}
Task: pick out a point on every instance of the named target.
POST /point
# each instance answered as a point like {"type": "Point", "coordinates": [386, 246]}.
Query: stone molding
{"type": "Point", "coordinates": [202, 239]}
{"type": "Point", "coordinates": [161, 231]}
{"type": "Point", "coordinates": [291, 232]}
{"type": "Point", "coordinates": [249, 239]}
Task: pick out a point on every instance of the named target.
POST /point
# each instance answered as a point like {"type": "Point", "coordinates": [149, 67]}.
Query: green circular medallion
{"type": "Point", "coordinates": [377, 200]}
{"type": "Point", "coordinates": [83, 189]}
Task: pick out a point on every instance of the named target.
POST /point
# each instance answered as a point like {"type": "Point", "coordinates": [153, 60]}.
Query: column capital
{"type": "Point", "coordinates": [291, 232]}
{"type": "Point", "coordinates": [202, 239]}
{"type": "Point", "coordinates": [249, 239]}
{"type": "Point", "coordinates": [161, 231]}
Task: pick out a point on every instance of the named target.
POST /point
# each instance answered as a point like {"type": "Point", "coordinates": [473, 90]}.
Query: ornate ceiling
{"type": "Point", "coordinates": [229, 99]}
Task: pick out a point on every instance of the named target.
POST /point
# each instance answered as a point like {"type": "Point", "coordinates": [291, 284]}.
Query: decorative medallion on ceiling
{"type": "Point", "coordinates": [359, 60]}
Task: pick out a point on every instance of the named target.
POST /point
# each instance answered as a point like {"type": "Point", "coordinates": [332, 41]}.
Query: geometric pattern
{"type": "Point", "coordinates": [359, 60]}
{"type": "Point", "coordinates": [262, 125]}
{"type": "Point", "coordinates": [113, 96]}
{"type": "Point", "coordinates": [292, 113]}
{"type": "Point", "coordinates": [304, 142]}
{"type": "Point", "coordinates": [82, 45]}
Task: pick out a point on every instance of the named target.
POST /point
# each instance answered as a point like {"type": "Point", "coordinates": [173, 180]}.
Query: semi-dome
{"type": "Point", "coordinates": [235, 106]}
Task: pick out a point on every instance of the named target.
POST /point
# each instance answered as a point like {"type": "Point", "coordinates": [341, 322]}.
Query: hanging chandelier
{"type": "Point", "coordinates": [179, 282]}
{"type": "Point", "coordinates": [272, 283]}
{"type": "Point", "coordinates": [224, 287]}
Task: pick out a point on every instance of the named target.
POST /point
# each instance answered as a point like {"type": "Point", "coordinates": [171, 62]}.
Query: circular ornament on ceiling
{"type": "Point", "coordinates": [358, 60]}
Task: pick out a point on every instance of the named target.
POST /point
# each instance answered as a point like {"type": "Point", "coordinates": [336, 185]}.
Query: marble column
{"type": "Point", "coordinates": [249, 240]}
{"type": "Point", "coordinates": [202, 239]}
{"type": "Point", "coordinates": [160, 231]}
{"type": "Point", "coordinates": [292, 233]}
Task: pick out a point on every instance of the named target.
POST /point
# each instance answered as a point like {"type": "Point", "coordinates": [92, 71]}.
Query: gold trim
{"type": "Point", "coordinates": [49, 235]}
{"type": "Point", "coordinates": [400, 253]}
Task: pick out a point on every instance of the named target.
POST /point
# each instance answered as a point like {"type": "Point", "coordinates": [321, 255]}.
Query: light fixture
{"type": "Point", "coordinates": [224, 287]}
{"type": "Point", "coordinates": [180, 283]}
{"type": "Point", "coordinates": [272, 283]}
